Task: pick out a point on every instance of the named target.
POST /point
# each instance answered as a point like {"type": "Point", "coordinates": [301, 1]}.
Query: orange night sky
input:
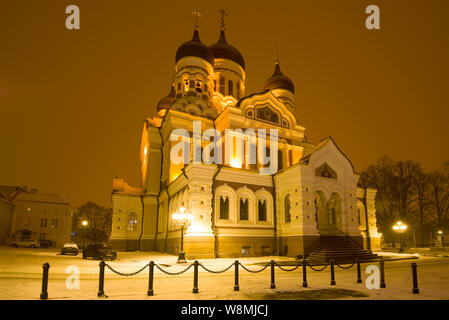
{"type": "Point", "coordinates": [72, 102]}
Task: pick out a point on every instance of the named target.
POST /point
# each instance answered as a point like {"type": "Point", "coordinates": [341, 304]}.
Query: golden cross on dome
{"type": "Point", "coordinates": [197, 15]}
{"type": "Point", "coordinates": [223, 14]}
{"type": "Point", "coordinates": [276, 54]}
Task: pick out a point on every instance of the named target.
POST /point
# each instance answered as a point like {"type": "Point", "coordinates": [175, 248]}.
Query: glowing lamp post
{"type": "Point", "coordinates": [440, 238]}
{"type": "Point", "coordinates": [183, 219]}
{"type": "Point", "coordinates": [84, 223]}
{"type": "Point", "coordinates": [400, 228]}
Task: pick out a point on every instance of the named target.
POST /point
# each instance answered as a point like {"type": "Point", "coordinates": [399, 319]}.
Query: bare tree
{"type": "Point", "coordinates": [439, 183]}
{"type": "Point", "coordinates": [421, 183]}
{"type": "Point", "coordinates": [99, 220]}
{"type": "Point", "coordinates": [405, 172]}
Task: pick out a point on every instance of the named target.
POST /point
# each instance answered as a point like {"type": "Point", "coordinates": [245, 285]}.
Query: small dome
{"type": "Point", "coordinates": [222, 49]}
{"type": "Point", "coordinates": [279, 81]}
{"type": "Point", "coordinates": [195, 48]}
{"type": "Point", "coordinates": [167, 102]}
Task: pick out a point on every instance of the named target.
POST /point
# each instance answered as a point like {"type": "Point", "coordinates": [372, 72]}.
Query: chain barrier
{"type": "Point", "coordinates": [255, 271]}
{"type": "Point", "coordinates": [317, 269]}
{"type": "Point", "coordinates": [173, 273]}
{"type": "Point", "coordinates": [288, 270]}
{"type": "Point", "coordinates": [345, 268]}
{"type": "Point", "coordinates": [126, 274]}
{"type": "Point", "coordinates": [221, 271]}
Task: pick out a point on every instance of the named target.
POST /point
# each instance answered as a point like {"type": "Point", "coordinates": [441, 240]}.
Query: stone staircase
{"type": "Point", "coordinates": [341, 248]}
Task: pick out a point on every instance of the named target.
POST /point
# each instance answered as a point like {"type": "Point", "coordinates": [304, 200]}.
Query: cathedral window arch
{"type": "Point", "coordinates": [246, 204]}
{"type": "Point", "coordinates": [225, 204]}
{"type": "Point", "coordinates": [199, 86]}
{"type": "Point", "coordinates": [264, 206]}
{"type": "Point", "coordinates": [224, 208]}
{"type": "Point", "coordinates": [221, 85]}
{"type": "Point", "coordinates": [262, 210]}
{"type": "Point", "coordinates": [243, 209]}
{"type": "Point", "coordinates": [230, 88]}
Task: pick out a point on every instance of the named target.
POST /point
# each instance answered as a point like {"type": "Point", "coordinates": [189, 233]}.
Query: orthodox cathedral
{"type": "Point", "coordinates": [310, 207]}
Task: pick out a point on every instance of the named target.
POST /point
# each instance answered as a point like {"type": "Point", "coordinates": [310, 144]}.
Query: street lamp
{"type": "Point", "coordinates": [440, 237]}
{"type": "Point", "coordinates": [84, 223]}
{"type": "Point", "coordinates": [400, 228]}
{"type": "Point", "coordinates": [183, 219]}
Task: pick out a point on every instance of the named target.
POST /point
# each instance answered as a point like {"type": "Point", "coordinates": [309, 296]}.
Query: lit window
{"type": "Point", "coordinates": [132, 221]}
{"type": "Point", "coordinates": [54, 223]}
{"type": "Point", "coordinates": [198, 86]}
{"type": "Point", "coordinates": [186, 85]}
{"type": "Point", "coordinates": [42, 236]}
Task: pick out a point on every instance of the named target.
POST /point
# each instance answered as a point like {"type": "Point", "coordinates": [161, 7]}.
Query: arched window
{"type": "Point", "coordinates": [244, 210]}
{"type": "Point", "coordinates": [224, 208]}
{"type": "Point", "coordinates": [262, 210]}
{"type": "Point", "coordinates": [132, 221]}
{"type": "Point", "coordinates": [221, 84]}
{"type": "Point", "coordinates": [287, 208]}
{"type": "Point", "coordinates": [230, 88]}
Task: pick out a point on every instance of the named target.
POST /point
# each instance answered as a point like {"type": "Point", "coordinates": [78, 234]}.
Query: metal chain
{"type": "Point", "coordinates": [126, 274]}
{"type": "Point", "coordinates": [283, 269]}
{"type": "Point", "coordinates": [173, 273]}
{"type": "Point", "coordinates": [254, 271]}
{"type": "Point", "coordinates": [317, 269]}
{"type": "Point", "coordinates": [346, 267]}
{"type": "Point", "coordinates": [221, 271]}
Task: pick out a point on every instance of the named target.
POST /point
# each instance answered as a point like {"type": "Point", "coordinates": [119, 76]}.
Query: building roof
{"type": "Point", "coordinates": [322, 143]}
{"type": "Point", "coordinates": [23, 193]}
{"type": "Point", "coordinates": [166, 102]}
{"type": "Point", "coordinates": [222, 49]}
{"type": "Point", "coordinates": [195, 48]}
{"type": "Point", "coordinates": [279, 81]}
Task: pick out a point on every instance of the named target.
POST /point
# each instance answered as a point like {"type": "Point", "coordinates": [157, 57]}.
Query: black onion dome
{"type": "Point", "coordinates": [279, 81]}
{"type": "Point", "coordinates": [222, 49]}
{"type": "Point", "coordinates": [166, 102]}
{"type": "Point", "coordinates": [195, 48]}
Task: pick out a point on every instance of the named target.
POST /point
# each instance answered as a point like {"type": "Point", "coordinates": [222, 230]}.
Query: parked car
{"type": "Point", "coordinates": [70, 248]}
{"type": "Point", "coordinates": [99, 250]}
{"type": "Point", "coordinates": [45, 243]}
{"type": "Point", "coordinates": [27, 243]}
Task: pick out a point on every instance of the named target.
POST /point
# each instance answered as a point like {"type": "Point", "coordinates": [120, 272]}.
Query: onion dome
{"type": "Point", "coordinates": [166, 102]}
{"type": "Point", "coordinates": [195, 48]}
{"type": "Point", "coordinates": [279, 81]}
{"type": "Point", "coordinates": [222, 49]}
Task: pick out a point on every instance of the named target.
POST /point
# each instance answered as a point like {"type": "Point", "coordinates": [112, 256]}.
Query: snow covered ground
{"type": "Point", "coordinates": [21, 278]}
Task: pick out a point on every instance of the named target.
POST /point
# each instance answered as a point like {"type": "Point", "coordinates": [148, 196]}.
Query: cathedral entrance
{"type": "Point", "coordinates": [327, 213]}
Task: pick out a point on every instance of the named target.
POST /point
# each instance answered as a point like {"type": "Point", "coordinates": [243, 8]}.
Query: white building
{"type": "Point", "coordinates": [312, 200]}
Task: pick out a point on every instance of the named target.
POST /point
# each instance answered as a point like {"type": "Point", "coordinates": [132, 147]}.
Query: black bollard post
{"type": "Point", "coordinates": [44, 293]}
{"type": "Point", "coordinates": [101, 280]}
{"type": "Point", "coordinates": [332, 273]}
{"type": "Point", "coordinates": [150, 279]}
{"type": "Point", "coordinates": [195, 277]}
{"type": "Point", "coordinates": [359, 273]}
{"type": "Point", "coordinates": [382, 273]}
{"type": "Point", "coordinates": [304, 273]}
{"type": "Point", "coordinates": [415, 278]}
{"type": "Point", "coordinates": [236, 276]}
{"type": "Point", "coordinates": [272, 285]}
